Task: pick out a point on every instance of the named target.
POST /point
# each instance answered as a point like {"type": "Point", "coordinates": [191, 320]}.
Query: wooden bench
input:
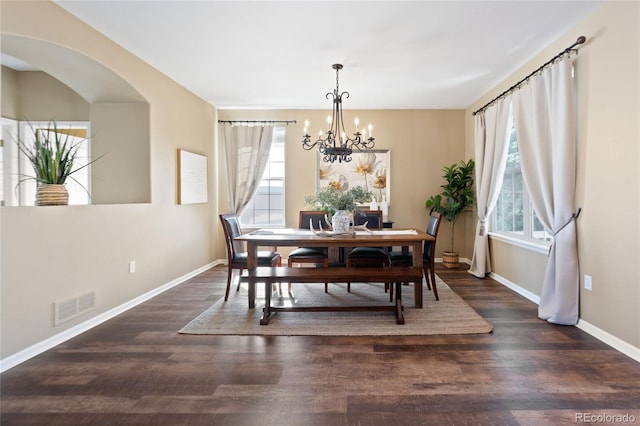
{"type": "Point", "coordinates": [280, 274]}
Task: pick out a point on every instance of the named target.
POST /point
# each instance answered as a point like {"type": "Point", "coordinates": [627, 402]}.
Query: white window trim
{"type": "Point", "coordinates": [537, 246]}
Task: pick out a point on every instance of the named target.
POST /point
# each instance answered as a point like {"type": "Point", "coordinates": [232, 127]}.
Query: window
{"type": "Point", "coordinates": [514, 214]}
{"type": "Point", "coordinates": [266, 209]}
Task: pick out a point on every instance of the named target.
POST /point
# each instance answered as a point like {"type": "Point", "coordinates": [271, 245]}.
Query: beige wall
{"type": "Point", "coordinates": [421, 143]}
{"type": "Point", "coordinates": [53, 253]}
{"type": "Point", "coordinates": [120, 140]}
{"type": "Point", "coordinates": [33, 105]}
{"type": "Point", "coordinates": [608, 179]}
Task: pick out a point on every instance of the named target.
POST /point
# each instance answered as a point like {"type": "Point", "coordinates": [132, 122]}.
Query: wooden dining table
{"type": "Point", "coordinates": [412, 238]}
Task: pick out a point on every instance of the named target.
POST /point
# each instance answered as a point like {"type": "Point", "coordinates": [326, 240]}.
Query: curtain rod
{"type": "Point", "coordinates": [257, 121]}
{"type": "Point", "coordinates": [580, 40]}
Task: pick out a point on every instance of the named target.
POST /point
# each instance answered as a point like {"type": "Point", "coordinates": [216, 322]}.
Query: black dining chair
{"type": "Point", "coordinates": [405, 258]}
{"type": "Point", "coordinates": [237, 255]}
{"type": "Point", "coordinates": [368, 256]}
{"type": "Point", "coordinates": [311, 255]}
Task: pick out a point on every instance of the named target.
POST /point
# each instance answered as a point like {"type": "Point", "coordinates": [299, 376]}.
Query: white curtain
{"type": "Point", "coordinates": [247, 150]}
{"type": "Point", "coordinates": [544, 120]}
{"type": "Point", "coordinates": [492, 129]}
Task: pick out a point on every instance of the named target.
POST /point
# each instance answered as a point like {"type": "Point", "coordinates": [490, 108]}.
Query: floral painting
{"type": "Point", "coordinates": [369, 170]}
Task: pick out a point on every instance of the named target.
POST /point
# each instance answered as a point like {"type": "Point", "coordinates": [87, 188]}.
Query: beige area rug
{"type": "Point", "coordinates": [449, 315]}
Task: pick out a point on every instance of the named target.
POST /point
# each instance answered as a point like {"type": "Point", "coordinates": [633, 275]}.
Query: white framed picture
{"type": "Point", "coordinates": [192, 178]}
{"type": "Point", "coordinates": [370, 169]}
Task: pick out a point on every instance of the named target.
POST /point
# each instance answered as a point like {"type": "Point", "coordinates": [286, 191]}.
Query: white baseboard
{"type": "Point", "coordinates": [513, 286]}
{"type": "Point", "coordinates": [607, 338]}
{"type": "Point", "coordinates": [36, 349]}
{"type": "Point", "coordinates": [611, 340]}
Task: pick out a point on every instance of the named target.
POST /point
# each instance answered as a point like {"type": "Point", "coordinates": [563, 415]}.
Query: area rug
{"type": "Point", "coordinates": [449, 315]}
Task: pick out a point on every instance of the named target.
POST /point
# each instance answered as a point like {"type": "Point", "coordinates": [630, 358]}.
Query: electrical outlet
{"type": "Point", "coordinates": [587, 282]}
{"type": "Point", "coordinates": [132, 266]}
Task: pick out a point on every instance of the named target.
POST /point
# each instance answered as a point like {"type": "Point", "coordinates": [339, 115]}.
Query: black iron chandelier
{"type": "Point", "coordinates": [335, 144]}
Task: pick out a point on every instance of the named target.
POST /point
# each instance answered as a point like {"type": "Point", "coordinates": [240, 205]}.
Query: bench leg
{"type": "Point", "coordinates": [267, 313]}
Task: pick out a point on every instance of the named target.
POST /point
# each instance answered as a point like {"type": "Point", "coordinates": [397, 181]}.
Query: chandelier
{"type": "Point", "coordinates": [335, 144]}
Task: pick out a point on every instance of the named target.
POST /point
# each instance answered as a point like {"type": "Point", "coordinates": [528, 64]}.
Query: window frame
{"type": "Point", "coordinates": [526, 239]}
{"type": "Point", "coordinates": [278, 141]}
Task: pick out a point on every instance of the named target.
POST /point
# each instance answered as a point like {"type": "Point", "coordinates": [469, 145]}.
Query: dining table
{"type": "Point", "coordinates": [293, 237]}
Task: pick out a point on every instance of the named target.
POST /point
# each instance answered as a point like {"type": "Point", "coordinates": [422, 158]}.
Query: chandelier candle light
{"type": "Point", "coordinates": [335, 144]}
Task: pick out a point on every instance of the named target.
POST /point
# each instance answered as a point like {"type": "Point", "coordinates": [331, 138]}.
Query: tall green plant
{"type": "Point", "coordinates": [52, 155]}
{"type": "Point", "coordinates": [456, 195]}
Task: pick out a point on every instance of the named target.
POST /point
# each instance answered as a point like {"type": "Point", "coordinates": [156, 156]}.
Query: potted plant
{"type": "Point", "coordinates": [53, 157]}
{"type": "Point", "coordinates": [340, 202]}
{"type": "Point", "coordinates": [455, 198]}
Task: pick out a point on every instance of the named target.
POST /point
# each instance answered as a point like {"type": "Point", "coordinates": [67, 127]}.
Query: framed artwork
{"type": "Point", "coordinates": [370, 169]}
{"type": "Point", "coordinates": [192, 178]}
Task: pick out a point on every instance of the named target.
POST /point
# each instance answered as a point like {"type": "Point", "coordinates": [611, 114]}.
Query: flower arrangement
{"type": "Point", "coordinates": [336, 196]}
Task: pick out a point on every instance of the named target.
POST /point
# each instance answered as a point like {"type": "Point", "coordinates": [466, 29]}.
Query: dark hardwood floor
{"type": "Point", "coordinates": [137, 370]}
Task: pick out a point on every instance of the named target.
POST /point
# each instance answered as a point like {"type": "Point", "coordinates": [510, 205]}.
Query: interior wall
{"type": "Point", "coordinates": [42, 98]}
{"type": "Point", "coordinates": [118, 134]}
{"type": "Point", "coordinates": [518, 264]}
{"type": "Point", "coordinates": [53, 253]}
{"type": "Point", "coordinates": [608, 180]}
{"type": "Point", "coordinates": [421, 143]}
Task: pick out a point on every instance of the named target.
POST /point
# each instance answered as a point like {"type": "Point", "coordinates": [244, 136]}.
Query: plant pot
{"type": "Point", "coordinates": [52, 195]}
{"type": "Point", "coordinates": [450, 260]}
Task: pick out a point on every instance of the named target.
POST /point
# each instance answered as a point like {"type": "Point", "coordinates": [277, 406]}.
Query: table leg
{"type": "Point", "coordinates": [252, 264]}
{"type": "Point", "coordinates": [417, 285]}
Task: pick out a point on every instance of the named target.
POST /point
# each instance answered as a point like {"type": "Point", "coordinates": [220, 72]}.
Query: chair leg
{"type": "Point", "coordinates": [226, 293]}
{"type": "Point", "coordinates": [239, 273]}
{"type": "Point", "coordinates": [426, 276]}
{"type": "Point", "coordinates": [425, 272]}
{"type": "Point", "coordinates": [277, 287]}
{"type": "Point", "coordinates": [433, 280]}
{"type": "Point", "coordinates": [326, 284]}
{"type": "Point", "coordinates": [348, 282]}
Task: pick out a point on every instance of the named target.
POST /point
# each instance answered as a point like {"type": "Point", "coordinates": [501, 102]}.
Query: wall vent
{"type": "Point", "coordinates": [65, 310]}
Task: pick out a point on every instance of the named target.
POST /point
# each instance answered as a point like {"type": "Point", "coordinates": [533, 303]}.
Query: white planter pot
{"type": "Point", "coordinates": [340, 221]}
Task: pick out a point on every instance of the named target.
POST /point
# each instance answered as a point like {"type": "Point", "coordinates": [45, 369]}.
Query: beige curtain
{"type": "Point", "coordinates": [247, 151]}
{"type": "Point", "coordinates": [544, 120]}
{"type": "Point", "coordinates": [491, 145]}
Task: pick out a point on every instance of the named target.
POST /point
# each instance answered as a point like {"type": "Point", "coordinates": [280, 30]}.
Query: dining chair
{"type": "Point", "coordinates": [368, 256]}
{"type": "Point", "coordinates": [308, 219]}
{"type": "Point", "coordinates": [404, 257]}
{"type": "Point", "coordinates": [237, 255]}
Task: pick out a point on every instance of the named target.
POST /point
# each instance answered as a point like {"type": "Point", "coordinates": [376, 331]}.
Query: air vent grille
{"type": "Point", "coordinates": [68, 309]}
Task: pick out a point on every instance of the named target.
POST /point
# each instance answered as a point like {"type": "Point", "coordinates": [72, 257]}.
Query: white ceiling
{"type": "Point", "coordinates": [396, 54]}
